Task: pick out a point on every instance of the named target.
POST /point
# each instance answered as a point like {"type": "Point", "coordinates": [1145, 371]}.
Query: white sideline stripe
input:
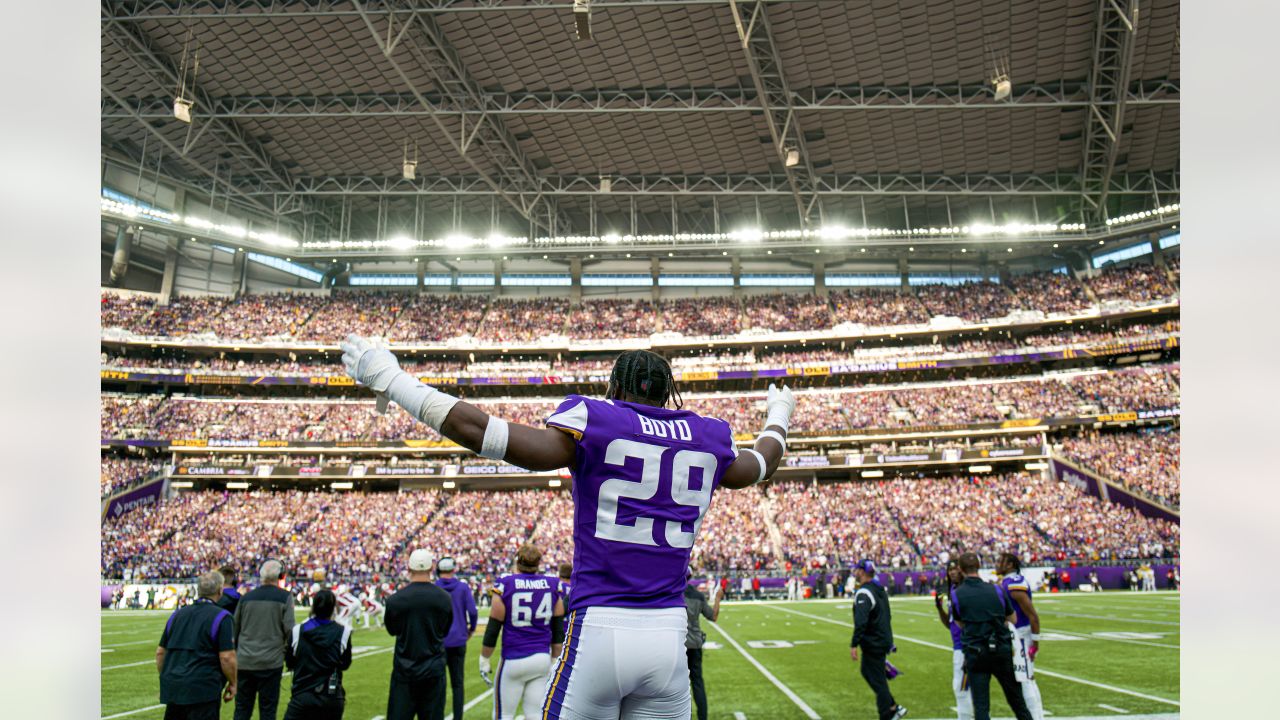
{"type": "Point", "coordinates": [1120, 640]}
{"type": "Point", "coordinates": [152, 661]}
{"type": "Point", "coordinates": [132, 712]}
{"type": "Point", "coordinates": [738, 716]}
{"type": "Point", "coordinates": [126, 713]}
{"type": "Point", "coordinates": [804, 707]}
{"type": "Point", "coordinates": [133, 642]}
{"type": "Point", "coordinates": [1112, 618]}
{"type": "Point", "coordinates": [1060, 676]}
{"type": "Point", "coordinates": [474, 702]}
{"type": "Point", "coordinates": [1113, 708]}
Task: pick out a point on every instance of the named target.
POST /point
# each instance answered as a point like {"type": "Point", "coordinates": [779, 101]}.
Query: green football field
{"type": "Point", "coordinates": [1112, 655]}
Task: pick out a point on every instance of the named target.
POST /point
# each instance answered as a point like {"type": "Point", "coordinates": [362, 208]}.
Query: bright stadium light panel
{"type": "Point", "coordinates": [1037, 466]}
{"type": "Point", "coordinates": [792, 157]}
{"type": "Point", "coordinates": [979, 468]}
{"type": "Point", "coordinates": [449, 485]}
{"type": "Point", "coordinates": [869, 474]}
{"type": "Point", "coordinates": [342, 485]}
{"type": "Point", "coordinates": [238, 485]}
{"type": "Point", "coordinates": [410, 170]}
{"type": "Point", "coordinates": [181, 484]}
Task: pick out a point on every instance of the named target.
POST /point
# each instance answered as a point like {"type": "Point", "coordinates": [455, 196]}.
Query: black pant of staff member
{"type": "Point", "coordinates": [696, 606]}
{"type": "Point", "coordinates": [873, 634]}
{"type": "Point", "coordinates": [318, 652]}
{"type": "Point", "coordinates": [984, 613]}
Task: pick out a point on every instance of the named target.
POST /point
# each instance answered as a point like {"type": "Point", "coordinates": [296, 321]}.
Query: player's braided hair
{"type": "Point", "coordinates": [645, 375]}
{"type": "Point", "coordinates": [1013, 560]}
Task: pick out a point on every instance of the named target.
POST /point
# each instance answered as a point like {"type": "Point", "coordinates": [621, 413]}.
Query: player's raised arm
{"type": "Point", "coordinates": [461, 422]}
{"type": "Point", "coordinates": [758, 463]}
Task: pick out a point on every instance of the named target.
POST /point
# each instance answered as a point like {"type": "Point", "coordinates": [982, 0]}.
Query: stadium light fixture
{"type": "Point", "coordinates": [238, 485]}
{"type": "Point", "coordinates": [553, 483]}
{"type": "Point", "coordinates": [606, 184]}
{"type": "Point", "coordinates": [342, 485]}
{"type": "Point", "coordinates": [872, 474]}
{"type": "Point", "coordinates": [409, 165]}
{"type": "Point", "coordinates": [401, 242]}
{"type": "Point", "coordinates": [1037, 466]}
{"type": "Point", "coordinates": [792, 156]}
{"type": "Point", "coordinates": [582, 18]}
{"type": "Point", "coordinates": [449, 485]}
{"type": "Point", "coordinates": [181, 484]}
{"type": "Point", "coordinates": [979, 468]}
{"type": "Point", "coordinates": [182, 109]}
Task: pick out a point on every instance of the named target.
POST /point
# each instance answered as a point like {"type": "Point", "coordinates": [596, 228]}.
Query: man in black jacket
{"type": "Point", "coordinates": [873, 634]}
{"type": "Point", "coordinates": [320, 650]}
{"type": "Point", "coordinates": [230, 597]}
{"type": "Point", "coordinates": [984, 613]}
{"type": "Point", "coordinates": [419, 616]}
{"type": "Point", "coordinates": [195, 657]}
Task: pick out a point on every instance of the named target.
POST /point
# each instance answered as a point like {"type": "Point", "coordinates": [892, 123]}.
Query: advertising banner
{"type": "Point", "coordinates": [139, 497]}
{"type": "Point", "coordinates": [1097, 486]}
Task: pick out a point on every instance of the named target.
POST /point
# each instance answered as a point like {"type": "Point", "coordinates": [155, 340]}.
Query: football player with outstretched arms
{"type": "Point", "coordinates": [529, 612]}
{"type": "Point", "coordinates": [1026, 630]}
{"type": "Point", "coordinates": [643, 478]}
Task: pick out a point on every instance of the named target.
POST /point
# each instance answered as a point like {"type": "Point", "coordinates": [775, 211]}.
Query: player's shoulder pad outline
{"type": "Point", "coordinates": [571, 416]}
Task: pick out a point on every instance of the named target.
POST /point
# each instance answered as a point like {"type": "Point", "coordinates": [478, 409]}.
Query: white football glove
{"type": "Point", "coordinates": [779, 406]}
{"type": "Point", "coordinates": [486, 671]}
{"type": "Point", "coordinates": [372, 366]}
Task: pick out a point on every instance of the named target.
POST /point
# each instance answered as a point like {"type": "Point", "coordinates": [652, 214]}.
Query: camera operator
{"type": "Point", "coordinates": [318, 652]}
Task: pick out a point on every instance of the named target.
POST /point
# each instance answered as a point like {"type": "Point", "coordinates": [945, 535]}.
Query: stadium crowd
{"type": "Point", "coordinates": [821, 411]}
{"type": "Point", "coordinates": [436, 317]}
{"type": "Point", "coordinates": [901, 523]}
{"type": "Point", "coordinates": [122, 473]}
{"type": "Point", "coordinates": [1147, 460]}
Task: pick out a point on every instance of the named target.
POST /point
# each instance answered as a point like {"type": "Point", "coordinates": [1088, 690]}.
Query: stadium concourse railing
{"type": "Point", "coordinates": [179, 376]}
{"type": "Point", "coordinates": [1021, 320]}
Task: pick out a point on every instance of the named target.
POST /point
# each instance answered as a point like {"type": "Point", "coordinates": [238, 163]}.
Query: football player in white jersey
{"type": "Point", "coordinates": [348, 605]}
{"type": "Point", "coordinates": [1026, 630]}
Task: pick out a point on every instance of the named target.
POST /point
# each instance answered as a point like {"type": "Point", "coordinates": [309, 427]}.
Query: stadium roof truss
{"type": "Point", "coordinates": [677, 115]}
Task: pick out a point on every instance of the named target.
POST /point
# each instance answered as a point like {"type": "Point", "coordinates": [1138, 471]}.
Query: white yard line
{"type": "Point", "coordinates": [739, 716]}
{"type": "Point", "coordinates": [127, 713]}
{"type": "Point", "coordinates": [1113, 708]}
{"type": "Point", "coordinates": [474, 702]}
{"type": "Point", "coordinates": [152, 661]}
{"type": "Point", "coordinates": [134, 642]}
{"type": "Point", "coordinates": [804, 707]}
{"type": "Point", "coordinates": [1112, 618]}
{"type": "Point", "coordinates": [1060, 676]}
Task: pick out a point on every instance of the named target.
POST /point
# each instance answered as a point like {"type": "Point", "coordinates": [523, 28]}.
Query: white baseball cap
{"type": "Point", "coordinates": [421, 560]}
{"type": "Point", "coordinates": [446, 564]}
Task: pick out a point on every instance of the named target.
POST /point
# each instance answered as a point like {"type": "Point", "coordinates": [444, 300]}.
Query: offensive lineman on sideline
{"type": "Point", "coordinates": [1026, 630]}
{"type": "Point", "coordinates": [643, 478]}
{"type": "Point", "coordinates": [528, 607]}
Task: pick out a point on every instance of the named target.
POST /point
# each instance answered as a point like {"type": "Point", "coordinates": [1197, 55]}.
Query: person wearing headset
{"type": "Point", "coordinates": [263, 627]}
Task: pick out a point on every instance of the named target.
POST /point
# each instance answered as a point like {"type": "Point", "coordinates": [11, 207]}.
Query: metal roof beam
{"type": "Point", "coordinates": [986, 184]}
{"type": "Point", "coordinates": [139, 10]}
{"type": "Point", "coordinates": [751, 18]}
{"type": "Point", "coordinates": [734, 99]}
{"type": "Point", "coordinates": [1117, 26]}
{"type": "Point", "coordinates": [483, 142]}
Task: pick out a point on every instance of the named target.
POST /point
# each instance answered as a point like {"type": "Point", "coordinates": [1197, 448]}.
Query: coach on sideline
{"type": "Point", "coordinates": [196, 655]}
{"type": "Point", "coordinates": [264, 624]}
{"type": "Point", "coordinates": [419, 617]}
{"type": "Point", "coordinates": [873, 633]}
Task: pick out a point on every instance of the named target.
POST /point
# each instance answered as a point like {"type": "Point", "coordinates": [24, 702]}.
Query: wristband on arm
{"type": "Point", "coordinates": [494, 445]}
{"type": "Point", "coordinates": [775, 435]}
{"type": "Point", "coordinates": [759, 459]}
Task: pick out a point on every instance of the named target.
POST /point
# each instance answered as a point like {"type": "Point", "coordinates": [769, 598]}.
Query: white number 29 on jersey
{"type": "Point", "coordinates": [641, 533]}
{"type": "Point", "coordinates": [522, 613]}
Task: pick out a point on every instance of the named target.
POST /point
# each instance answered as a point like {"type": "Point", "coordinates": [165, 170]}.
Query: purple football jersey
{"type": "Point", "coordinates": [1015, 581]}
{"type": "Point", "coordinates": [956, 630]}
{"type": "Point", "coordinates": [530, 601]}
{"type": "Point", "coordinates": [642, 482]}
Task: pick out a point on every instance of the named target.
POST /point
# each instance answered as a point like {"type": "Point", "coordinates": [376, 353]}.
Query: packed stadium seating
{"type": "Point", "coordinates": [821, 411]}
{"type": "Point", "coordinates": [1147, 461]}
{"type": "Point", "coordinates": [900, 523]}
{"type": "Point", "coordinates": [122, 473]}
{"type": "Point", "coordinates": [412, 317]}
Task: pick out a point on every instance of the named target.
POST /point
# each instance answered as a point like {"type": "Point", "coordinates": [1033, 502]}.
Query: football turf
{"type": "Point", "coordinates": [1113, 654]}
